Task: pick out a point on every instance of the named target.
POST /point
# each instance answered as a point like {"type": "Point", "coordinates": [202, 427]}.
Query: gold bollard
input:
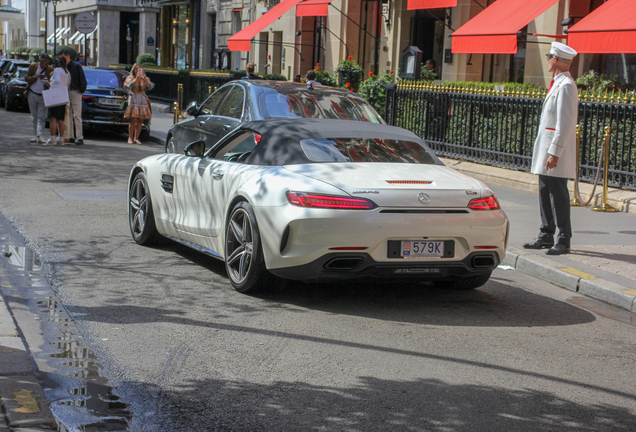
{"type": "Point", "coordinates": [605, 207]}
{"type": "Point", "coordinates": [576, 201]}
{"type": "Point", "coordinates": [209, 90]}
{"type": "Point", "coordinates": [176, 112]}
{"type": "Point", "coordinates": [180, 97]}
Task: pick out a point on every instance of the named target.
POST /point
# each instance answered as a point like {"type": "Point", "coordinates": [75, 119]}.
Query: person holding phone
{"type": "Point", "coordinates": [37, 81]}
{"type": "Point", "coordinates": [60, 78]}
{"type": "Point", "coordinates": [138, 108]}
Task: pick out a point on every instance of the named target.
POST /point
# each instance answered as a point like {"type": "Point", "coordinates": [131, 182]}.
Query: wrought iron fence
{"type": "Point", "coordinates": [499, 128]}
{"type": "Point", "coordinates": [196, 85]}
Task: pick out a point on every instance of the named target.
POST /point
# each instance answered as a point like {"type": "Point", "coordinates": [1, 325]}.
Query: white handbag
{"type": "Point", "coordinates": [55, 97]}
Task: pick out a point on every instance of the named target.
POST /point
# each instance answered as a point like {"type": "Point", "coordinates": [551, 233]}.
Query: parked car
{"type": "Point", "coordinates": [104, 101]}
{"type": "Point", "coordinates": [14, 93]}
{"type": "Point", "coordinates": [315, 199]}
{"type": "Point", "coordinates": [243, 101]}
{"type": "Point", "coordinates": [7, 69]}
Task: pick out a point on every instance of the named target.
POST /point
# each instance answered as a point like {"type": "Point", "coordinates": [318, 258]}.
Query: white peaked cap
{"type": "Point", "coordinates": [562, 51]}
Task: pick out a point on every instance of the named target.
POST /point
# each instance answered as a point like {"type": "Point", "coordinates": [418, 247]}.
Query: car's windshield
{"type": "Point", "coordinates": [21, 73]}
{"type": "Point", "coordinates": [99, 78]}
{"type": "Point", "coordinates": [308, 104]}
{"type": "Point", "coordinates": [365, 150]}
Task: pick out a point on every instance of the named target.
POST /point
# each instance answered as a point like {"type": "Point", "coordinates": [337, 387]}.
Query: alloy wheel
{"type": "Point", "coordinates": [239, 246]}
{"type": "Point", "coordinates": [138, 207]}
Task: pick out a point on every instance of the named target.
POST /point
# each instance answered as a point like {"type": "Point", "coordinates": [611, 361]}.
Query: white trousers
{"type": "Point", "coordinates": [38, 112]}
{"type": "Point", "coordinates": [74, 111]}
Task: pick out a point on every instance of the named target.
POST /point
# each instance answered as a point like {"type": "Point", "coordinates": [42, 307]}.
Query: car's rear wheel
{"type": "Point", "coordinates": [9, 105]}
{"type": "Point", "coordinates": [1, 99]}
{"type": "Point", "coordinates": [170, 145]}
{"type": "Point", "coordinates": [464, 284]}
{"type": "Point", "coordinates": [244, 260]}
{"type": "Point", "coordinates": [140, 214]}
{"type": "Point", "coordinates": [145, 134]}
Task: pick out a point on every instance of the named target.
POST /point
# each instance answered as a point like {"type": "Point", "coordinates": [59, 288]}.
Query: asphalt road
{"type": "Point", "coordinates": [188, 353]}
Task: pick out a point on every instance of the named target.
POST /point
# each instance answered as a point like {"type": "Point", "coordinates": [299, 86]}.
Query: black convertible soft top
{"type": "Point", "coordinates": [280, 142]}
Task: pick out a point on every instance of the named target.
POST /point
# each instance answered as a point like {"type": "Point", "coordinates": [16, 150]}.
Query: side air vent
{"type": "Point", "coordinates": [167, 182]}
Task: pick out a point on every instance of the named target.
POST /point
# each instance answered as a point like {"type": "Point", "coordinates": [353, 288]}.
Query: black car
{"type": "Point", "coordinates": [7, 69]}
{"type": "Point", "coordinates": [241, 101]}
{"type": "Point", "coordinates": [104, 101]}
{"type": "Point", "coordinates": [13, 94]}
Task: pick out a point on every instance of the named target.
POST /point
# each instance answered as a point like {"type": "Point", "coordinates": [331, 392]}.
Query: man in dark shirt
{"type": "Point", "coordinates": [77, 87]}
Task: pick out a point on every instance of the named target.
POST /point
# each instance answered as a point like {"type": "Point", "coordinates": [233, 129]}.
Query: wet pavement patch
{"type": "Point", "coordinates": [74, 383]}
{"type": "Point", "coordinates": [93, 195]}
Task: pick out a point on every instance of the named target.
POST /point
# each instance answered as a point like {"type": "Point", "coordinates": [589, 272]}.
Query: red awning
{"type": "Point", "coordinates": [313, 8]}
{"type": "Point", "coordinates": [241, 41]}
{"type": "Point", "coordinates": [494, 30]}
{"type": "Point", "coordinates": [430, 4]}
{"type": "Point", "coordinates": [610, 28]}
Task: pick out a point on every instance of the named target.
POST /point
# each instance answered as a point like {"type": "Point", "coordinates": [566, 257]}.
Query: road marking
{"type": "Point", "coordinates": [630, 293]}
{"type": "Point", "coordinates": [579, 273]}
{"type": "Point", "coordinates": [28, 404]}
{"type": "Point", "coordinates": [5, 351]}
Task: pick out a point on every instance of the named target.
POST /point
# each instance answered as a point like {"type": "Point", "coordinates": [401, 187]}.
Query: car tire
{"type": "Point", "coordinates": [9, 106]}
{"type": "Point", "coordinates": [141, 217]}
{"type": "Point", "coordinates": [244, 260]}
{"type": "Point", "coordinates": [1, 100]}
{"type": "Point", "coordinates": [170, 145]}
{"type": "Point", "coordinates": [464, 284]}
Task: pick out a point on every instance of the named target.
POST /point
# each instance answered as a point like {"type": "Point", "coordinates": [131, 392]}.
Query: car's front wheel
{"type": "Point", "coordinates": [140, 214]}
{"type": "Point", "coordinates": [464, 284]}
{"type": "Point", "coordinates": [170, 145]}
{"type": "Point", "coordinates": [244, 260]}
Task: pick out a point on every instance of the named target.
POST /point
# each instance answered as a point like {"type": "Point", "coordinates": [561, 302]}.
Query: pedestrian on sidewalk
{"type": "Point", "coordinates": [250, 68]}
{"type": "Point", "coordinates": [37, 78]}
{"type": "Point", "coordinates": [74, 111]}
{"type": "Point", "coordinates": [311, 78]}
{"type": "Point", "coordinates": [554, 156]}
{"type": "Point", "coordinates": [60, 78]}
{"type": "Point", "coordinates": [138, 108]}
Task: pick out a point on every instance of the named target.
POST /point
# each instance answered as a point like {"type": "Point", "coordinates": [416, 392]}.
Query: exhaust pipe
{"type": "Point", "coordinates": [344, 263]}
{"type": "Point", "coordinates": [483, 261]}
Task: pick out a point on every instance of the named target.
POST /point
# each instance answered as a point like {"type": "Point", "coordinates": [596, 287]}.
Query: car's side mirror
{"type": "Point", "coordinates": [192, 109]}
{"type": "Point", "coordinates": [195, 149]}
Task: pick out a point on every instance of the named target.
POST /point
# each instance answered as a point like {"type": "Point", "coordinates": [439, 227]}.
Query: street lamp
{"type": "Point", "coordinates": [47, 23]}
{"type": "Point", "coordinates": [54, 26]}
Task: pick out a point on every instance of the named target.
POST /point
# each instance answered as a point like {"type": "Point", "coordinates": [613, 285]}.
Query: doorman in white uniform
{"type": "Point", "coordinates": [554, 157]}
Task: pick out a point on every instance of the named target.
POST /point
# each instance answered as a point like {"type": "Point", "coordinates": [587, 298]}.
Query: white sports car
{"type": "Point", "coordinates": [315, 199]}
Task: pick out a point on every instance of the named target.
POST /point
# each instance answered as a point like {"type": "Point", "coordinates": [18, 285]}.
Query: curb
{"type": "Point", "coordinates": [590, 286]}
{"type": "Point", "coordinates": [21, 396]}
{"type": "Point", "coordinates": [156, 140]}
{"type": "Point", "coordinates": [159, 107]}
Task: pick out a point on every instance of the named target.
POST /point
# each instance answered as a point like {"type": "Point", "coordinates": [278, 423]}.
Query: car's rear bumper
{"type": "Point", "coordinates": [359, 265]}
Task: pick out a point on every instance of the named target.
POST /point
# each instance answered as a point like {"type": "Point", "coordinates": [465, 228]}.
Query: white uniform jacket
{"type": "Point", "coordinates": [557, 129]}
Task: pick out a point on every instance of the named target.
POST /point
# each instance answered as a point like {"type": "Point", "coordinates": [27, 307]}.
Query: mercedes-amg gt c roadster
{"type": "Point", "coordinates": [316, 199]}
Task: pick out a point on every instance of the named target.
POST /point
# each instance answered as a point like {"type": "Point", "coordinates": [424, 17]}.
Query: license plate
{"type": "Point", "coordinates": [112, 102]}
{"type": "Point", "coordinates": [422, 249]}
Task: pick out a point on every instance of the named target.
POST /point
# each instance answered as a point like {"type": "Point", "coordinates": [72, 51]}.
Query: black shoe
{"type": "Point", "coordinates": [558, 249]}
{"type": "Point", "coordinates": [538, 244]}
{"type": "Point", "coordinates": [79, 141]}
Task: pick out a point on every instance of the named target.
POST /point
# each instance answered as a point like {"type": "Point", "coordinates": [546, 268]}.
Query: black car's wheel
{"type": "Point", "coordinates": [464, 284]}
{"type": "Point", "coordinates": [140, 215]}
{"type": "Point", "coordinates": [170, 145]}
{"type": "Point", "coordinates": [243, 252]}
{"type": "Point", "coordinates": [1, 99]}
{"type": "Point", "coordinates": [9, 105]}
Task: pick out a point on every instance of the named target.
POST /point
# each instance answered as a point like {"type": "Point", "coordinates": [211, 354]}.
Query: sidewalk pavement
{"type": "Point", "coordinates": [24, 406]}
{"type": "Point", "coordinates": [602, 264]}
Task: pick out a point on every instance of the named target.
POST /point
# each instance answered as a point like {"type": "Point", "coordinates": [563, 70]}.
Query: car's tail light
{"type": "Point", "coordinates": [257, 138]}
{"type": "Point", "coordinates": [302, 199]}
{"type": "Point", "coordinates": [487, 203]}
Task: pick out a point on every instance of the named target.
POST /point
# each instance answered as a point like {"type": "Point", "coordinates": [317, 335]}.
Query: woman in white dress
{"type": "Point", "coordinates": [60, 78]}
